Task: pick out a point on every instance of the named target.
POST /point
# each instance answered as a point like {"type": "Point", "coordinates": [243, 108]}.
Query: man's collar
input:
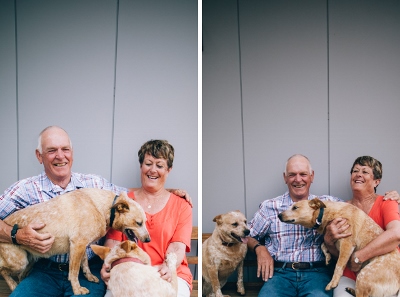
{"type": "Point", "coordinates": [48, 186]}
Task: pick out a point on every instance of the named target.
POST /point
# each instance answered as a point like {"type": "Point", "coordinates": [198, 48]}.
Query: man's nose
{"type": "Point", "coordinates": [60, 154]}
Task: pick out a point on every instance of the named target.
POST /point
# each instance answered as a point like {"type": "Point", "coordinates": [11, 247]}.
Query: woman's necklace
{"type": "Point", "coordinates": [150, 205]}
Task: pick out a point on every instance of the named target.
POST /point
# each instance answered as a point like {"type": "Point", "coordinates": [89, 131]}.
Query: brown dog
{"type": "Point", "coordinates": [76, 219]}
{"type": "Point", "coordinates": [132, 274]}
{"type": "Point", "coordinates": [381, 277]}
{"type": "Point", "coordinates": [224, 252]}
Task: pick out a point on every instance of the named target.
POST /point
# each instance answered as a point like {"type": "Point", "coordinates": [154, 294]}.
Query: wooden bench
{"type": "Point", "coordinates": [194, 260]}
{"type": "Point", "coordinates": [250, 266]}
{"type": "Point", "coordinates": [4, 289]}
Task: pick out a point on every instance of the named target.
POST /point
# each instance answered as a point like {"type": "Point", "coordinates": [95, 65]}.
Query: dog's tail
{"type": "Point", "coordinates": [350, 291]}
{"type": "Point", "coordinates": [171, 263]}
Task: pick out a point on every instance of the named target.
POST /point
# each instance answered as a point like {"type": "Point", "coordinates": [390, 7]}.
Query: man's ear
{"type": "Point", "coordinates": [39, 156]}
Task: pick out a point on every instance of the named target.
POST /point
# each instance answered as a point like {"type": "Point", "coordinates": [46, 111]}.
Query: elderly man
{"type": "Point", "coordinates": [291, 262]}
{"type": "Point", "coordinates": [55, 152]}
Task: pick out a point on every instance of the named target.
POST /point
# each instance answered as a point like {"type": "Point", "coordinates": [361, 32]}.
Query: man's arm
{"type": "Point", "coordinates": [265, 263]}
{"type": "Point", "coordinates": [28, 236]}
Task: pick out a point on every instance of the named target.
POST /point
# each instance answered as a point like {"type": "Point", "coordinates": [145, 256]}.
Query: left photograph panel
{"type": "Point", "coordinates": [99, 178]}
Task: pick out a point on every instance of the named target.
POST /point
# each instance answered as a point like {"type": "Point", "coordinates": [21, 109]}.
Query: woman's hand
{"type": "Point", "coordinates": [336, 229]}
{"type": "Point", "coordinates": [105, 273]}
{"type": "Point", "coordinates": [165, 273]}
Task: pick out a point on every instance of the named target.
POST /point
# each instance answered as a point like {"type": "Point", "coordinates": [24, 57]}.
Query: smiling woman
{"type": "Point", "coordinates": [169, 217]}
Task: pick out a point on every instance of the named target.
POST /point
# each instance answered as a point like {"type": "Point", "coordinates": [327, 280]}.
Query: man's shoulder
{"type": "Point", "coordinates": [82, 177]}
{"type": "Point", "coordinates": [276, 201]}
{"type": "Point", "coordinates": [29, 180]}
{"type": "Point", "coordinates": [326, 198]}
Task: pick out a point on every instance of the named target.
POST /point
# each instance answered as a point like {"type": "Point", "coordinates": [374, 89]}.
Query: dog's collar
{"type": "Point", "coordinates": [318, 221]}
{"type": "Point", "coordinates": [123, 260]}
{"type": "Point", "coordinates": [112, 215]}
{"type": "Point", "coordinates": [228, 244]}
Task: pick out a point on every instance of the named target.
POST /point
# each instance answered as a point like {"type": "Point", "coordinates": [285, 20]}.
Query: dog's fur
{"type": "Point", "coordinates": [224, 252]}
{"type": "Point", "coordinates": [76, 219]}
{"type": "Point", "coordinates": [378, 277]}
{"type": "Point", "coordinates": [136, 279]}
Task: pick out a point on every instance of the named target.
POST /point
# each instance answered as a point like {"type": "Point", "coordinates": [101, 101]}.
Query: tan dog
{"type": "Point", "coordinates": [381, 277]}
{"type": "Point", "coordinates": [76, 219]}
{"type": "Point", "coordinates": [132, 274]}
{"type": "Point", "coordinates": [224, 252]}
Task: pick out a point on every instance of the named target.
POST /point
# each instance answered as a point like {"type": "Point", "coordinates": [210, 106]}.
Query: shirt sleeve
{"type": "Point", "coordinates": [184, 227]}
{"type": "Point", "coordinates": [390, 210]}
{"type": "Point", "coordinates": [260, 223]}
{"type": "Point", "coordinates": [115, 235]}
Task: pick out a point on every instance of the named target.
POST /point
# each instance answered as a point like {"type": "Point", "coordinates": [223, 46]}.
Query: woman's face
{"type": "Point", "coordinates": [154, 173]}
{"type": "Point", "coordinates": [362, 178]}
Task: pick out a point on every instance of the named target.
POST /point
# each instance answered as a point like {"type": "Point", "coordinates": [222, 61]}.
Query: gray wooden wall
{"type": "Point", "coordinates": [114, 74]}
{"type": "Point", "coordinates": [320, 78]}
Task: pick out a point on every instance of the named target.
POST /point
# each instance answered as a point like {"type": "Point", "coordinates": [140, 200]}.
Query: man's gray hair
{"type": "Point", "coordinates": [39, 147]}
{"type": "Point", "coordinates": [294, 156]}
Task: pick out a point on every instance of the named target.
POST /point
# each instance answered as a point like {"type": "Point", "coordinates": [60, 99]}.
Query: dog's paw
{"type": "Point", "coordinates": [331, 286]}
{"type": "Point", "coordinates": [241, 290]}
{"type": "Point", "coordinates": [92, 278]}
{"type": "Point", "coordinates": [81, 291]}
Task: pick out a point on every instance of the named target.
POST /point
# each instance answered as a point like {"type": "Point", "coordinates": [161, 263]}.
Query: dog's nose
{"type": "Point", "coordinates": [246, 232]}
{"type": "Point", "coordinates": [280, 216]}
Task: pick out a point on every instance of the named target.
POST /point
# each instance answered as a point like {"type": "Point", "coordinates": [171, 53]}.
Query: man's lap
{"type": "Point", "coordinates": [46, 282]}
{"type": "Point", "coordinates": [291, 283]}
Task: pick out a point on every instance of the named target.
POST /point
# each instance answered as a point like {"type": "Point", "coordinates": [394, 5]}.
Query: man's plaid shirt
{"type": "Point", "coordinates": [286, 242]}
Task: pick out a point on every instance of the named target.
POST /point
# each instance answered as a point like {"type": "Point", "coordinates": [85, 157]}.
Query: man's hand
{"type": "Point", "coordinates": [392, 195]}
{"type": "Point", "coordinates": [183, 194]}
{"type": "Point", "coordinates": [40, 242]}
{"type": "Point", "coordinates": [265, 263]}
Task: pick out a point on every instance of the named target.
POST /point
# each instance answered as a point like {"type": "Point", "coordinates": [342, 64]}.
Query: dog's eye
{"type": "Point", "coordinates": [295, 207]}
{"type": "Point", "coordinates": [139, 223]}
{"type": "Point", "coordinates": [235, 224]}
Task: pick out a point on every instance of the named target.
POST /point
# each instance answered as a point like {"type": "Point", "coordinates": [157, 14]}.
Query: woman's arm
{"type": "Point", "coordinates": [386, 242]}
{"type": "Point", "coordinates": [105, 270]}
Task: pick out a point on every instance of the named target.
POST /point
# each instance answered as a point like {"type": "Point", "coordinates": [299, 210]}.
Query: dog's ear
{"type": "Point", "coordinates": [316, 204]}
{"type": "Point", "coordinates": [218, 219]}
{"type": "Point", "coordinates": [101, 251]}
{"type": "Point", "coordinates": [128, 245]}
{"type": "Point", "coordinates": [121, 206]}
{"type": "Point", "coordinates": [125, 245]}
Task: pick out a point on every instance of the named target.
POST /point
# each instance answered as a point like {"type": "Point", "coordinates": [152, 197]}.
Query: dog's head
{"type": "Point", "coordinates": [232, 227]}
{"type": "Point", "coordinates": [303, 213]}
{"type": "Point", "coordinates": [130, 218]}
{"type": "Point", "coordinates": [125, 249]}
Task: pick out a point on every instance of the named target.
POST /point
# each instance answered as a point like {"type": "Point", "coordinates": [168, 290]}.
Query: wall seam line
{"type": "Point", "coordinates": [241, 109]}
{"type": "Point", "coordinates": [114, 91]}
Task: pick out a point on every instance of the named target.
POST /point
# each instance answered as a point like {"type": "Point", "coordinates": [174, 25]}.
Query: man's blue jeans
{"type": "Point", "coordinates": [287, 282]}
{"type": "Point", "coordinates": [45, 282]}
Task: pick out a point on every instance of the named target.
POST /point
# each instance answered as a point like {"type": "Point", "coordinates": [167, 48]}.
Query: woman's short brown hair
{"type": "Point", "coordinates": [371, 162]}
{"type": "Point", "coordinates": [159, 149]}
